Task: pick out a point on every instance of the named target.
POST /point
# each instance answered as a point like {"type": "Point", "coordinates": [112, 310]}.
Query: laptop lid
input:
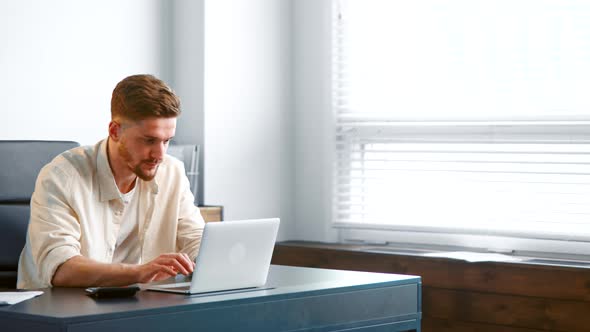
{"type": "Point", "coordinates": [233, 255]}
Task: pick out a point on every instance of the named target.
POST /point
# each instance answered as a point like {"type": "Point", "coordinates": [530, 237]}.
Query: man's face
{"type": "Point", "coordinates": [143, 145]}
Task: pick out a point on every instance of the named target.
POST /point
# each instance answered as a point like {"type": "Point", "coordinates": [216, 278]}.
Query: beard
{"type": "Point", "coordinates": [124, 152]}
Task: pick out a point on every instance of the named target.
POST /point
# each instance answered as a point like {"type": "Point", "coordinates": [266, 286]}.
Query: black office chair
{"type": "Point", "coordinates": [20, 163]}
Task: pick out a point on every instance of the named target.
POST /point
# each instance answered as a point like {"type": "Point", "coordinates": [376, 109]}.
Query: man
{"type": "Point", "coordinates": [121, 211]}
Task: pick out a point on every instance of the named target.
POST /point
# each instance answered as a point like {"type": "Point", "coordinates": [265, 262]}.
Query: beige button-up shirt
{"type": "Point", "coordinates": [74, 211]}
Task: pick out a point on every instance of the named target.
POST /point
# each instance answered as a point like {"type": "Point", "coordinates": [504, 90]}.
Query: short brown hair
{"type": "Point", "coordinates": [138, 97]}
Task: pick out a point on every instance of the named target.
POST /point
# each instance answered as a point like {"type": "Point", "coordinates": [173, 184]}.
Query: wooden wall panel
{"type": "Point", "coordinates": [516, 311]}
{"type": "Point", "coordinates": [462, 296]}
{"type": "Point", "coordinates": [444, 325]}
{"type": "Point", "coordinates": [509, 278]}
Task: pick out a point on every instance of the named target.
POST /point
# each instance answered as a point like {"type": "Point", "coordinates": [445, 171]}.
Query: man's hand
{"type": "Point", "coordinates": [165, 266]}
{"type": "Point", "coordinates": [80, 271]}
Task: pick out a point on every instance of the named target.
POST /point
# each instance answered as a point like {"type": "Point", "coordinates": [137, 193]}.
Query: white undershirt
{"type": "Point", "coordinates": [127, 248]}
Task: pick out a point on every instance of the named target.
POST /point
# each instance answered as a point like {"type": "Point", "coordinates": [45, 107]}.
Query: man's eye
{"type": "Point", "coordinates": [150, 141]}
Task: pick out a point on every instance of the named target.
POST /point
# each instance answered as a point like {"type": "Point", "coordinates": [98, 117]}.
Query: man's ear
{"type": "Point", "coordinates": [115, 130]}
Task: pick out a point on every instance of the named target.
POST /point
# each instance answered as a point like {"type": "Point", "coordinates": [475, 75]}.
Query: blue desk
{"type": "Point", "coordinates": [303, 299]}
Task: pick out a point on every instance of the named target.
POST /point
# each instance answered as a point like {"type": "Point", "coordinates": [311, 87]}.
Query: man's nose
{"type": "Point", "coordinates": [158, 151]}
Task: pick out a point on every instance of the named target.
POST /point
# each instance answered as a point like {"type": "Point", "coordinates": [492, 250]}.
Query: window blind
{"type": "Point", "coordinates": [463, 117]}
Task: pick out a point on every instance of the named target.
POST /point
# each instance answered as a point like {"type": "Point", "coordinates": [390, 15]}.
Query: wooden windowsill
{"type": "Point", "coordinates": [416, 252]}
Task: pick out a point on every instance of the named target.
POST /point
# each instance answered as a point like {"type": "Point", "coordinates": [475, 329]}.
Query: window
{"type": "Point", "coordinates": [463, 122]}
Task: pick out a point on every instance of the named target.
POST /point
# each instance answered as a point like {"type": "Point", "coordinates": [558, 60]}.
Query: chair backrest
{"type": "Point", "coordinates": [189, 155]}
{"type": "Point", "coordinates": [20, 163]}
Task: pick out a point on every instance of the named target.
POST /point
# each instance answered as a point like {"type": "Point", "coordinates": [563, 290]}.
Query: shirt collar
{"type": "Point", "coordinates": [106, 180]}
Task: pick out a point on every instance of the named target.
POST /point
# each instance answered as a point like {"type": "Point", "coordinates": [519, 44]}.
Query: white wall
{"type": "Point", "coordinates": [60, 60]}
{"type": "Point", "coordinates": [186, 22]}
{"type": "Point", "coordinates": [313, 127]}
{"type": "Point", "coordinates": [228, 60]}
{"type": "Point", "coordinates": [247, 113]}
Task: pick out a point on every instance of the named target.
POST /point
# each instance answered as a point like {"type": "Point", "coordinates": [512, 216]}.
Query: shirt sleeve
{"type": "Point", "coordinates": [190, 222]}
{"type": "Point", "coordinates": [54, 230]}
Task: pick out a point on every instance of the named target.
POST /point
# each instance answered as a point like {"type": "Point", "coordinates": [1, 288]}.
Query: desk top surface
{"type": "Point", "coordinates": [287, 282]}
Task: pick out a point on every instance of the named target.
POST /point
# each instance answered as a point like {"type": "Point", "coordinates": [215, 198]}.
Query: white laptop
{"type": "Point", "coordinates": [234, 255]}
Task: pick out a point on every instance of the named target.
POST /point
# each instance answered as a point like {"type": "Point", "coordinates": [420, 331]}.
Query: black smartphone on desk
{"type": "Point", "coordinates": [111, 292]}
